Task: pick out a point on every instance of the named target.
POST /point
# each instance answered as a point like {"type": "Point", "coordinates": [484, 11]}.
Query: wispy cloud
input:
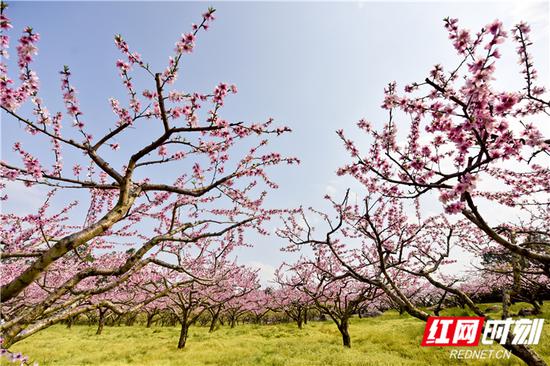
{"type": "Point", "coordinates": [23, 199]}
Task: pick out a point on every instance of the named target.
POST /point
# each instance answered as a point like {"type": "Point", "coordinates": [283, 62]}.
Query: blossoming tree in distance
{"type": "Point", "coordinates": [478, 150]}
{"type": "Point", "coordinates": [324, 281]}
{"type": "Point", "coordinates": [290, 300]}
{"type": "Point", "coordinates": [168, 175]}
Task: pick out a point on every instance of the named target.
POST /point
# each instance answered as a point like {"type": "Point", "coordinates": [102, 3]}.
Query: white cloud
{"type": "Point", "coordinates": [266, 274]}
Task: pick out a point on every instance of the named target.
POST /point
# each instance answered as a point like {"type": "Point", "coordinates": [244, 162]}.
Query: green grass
{"type": "Point", "coordinates": [390, 339]}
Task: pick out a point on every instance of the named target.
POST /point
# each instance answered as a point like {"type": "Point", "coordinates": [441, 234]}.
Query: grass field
{"type": "Point", "coordinates": [390, 339]}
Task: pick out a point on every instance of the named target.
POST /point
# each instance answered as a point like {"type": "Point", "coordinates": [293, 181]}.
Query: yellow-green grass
{"type": "Point", "coordinates": [390, 339]}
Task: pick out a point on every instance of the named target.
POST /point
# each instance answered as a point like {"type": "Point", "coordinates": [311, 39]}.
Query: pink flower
{"type": "Point", "coordinates": [185, 44]}
{"type": "Point", "coordinates": [77, 169]}
{"type": "Point", "coordinates": [506, 102]}
{"type": "Point", "coordinates": [495, 27]}
{"type": "Point", "coordinates": [162, 150]}
{"type": "Point", "coordinates": [454, 208]}
{"type": "Point", "coordinates": [123, 66]}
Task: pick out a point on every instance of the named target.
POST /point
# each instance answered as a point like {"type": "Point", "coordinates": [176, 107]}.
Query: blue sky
{"type": "Point", "coordinates": [316, 67]}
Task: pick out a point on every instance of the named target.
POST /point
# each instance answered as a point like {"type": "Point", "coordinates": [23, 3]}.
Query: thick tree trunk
{"type": "Point", "coordinates": [536, 308]}
{"type": "Point", "coordinates": [70, 322]}
{"type": "Point", "coordinates": [305, 316]}
{"type": "Point", "coordinates": [215, 317]}
{"type": "Point", "coordinates": [506, 302]}
{"type": "Point", "coordinates": [150, 317]}
{"type": "Point", "coordinates": [134, 319]}
{"type": "Point", "coordinates": [101, 321]}
{"type": "Point", "coordinates": [299, 322]}
{"type": "Point", "coordinates": [343, 328]}
{"type": "Point", "coordinates": [183, 335]}
{"type": "Point", "coordinates": [233, 321]}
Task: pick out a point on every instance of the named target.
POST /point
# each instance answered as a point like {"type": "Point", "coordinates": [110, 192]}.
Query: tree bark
{"type": "Point", "coordinates": [70, 322]}
{"type": "Point", "coordinates": [150, 317]}
{"type": "Point", "coordinates": [526, 354]}
{"type": "Point", "coordinates": [215, 317]}
{"type": "Point", "coordinates": [101, 321]}
{"type": "Point", "coordinates": [131, 319]}
{"type": "Point", "coordinates": [183, 335]}
{"type": "Point", "coordinates": [506, 302]}
{"type": "Point", "coordinates": [343, 328]}
{"type": "Point", "coordinates": [68, 243]}
{"type": "Point", "coordinates": [536, 307]}
{"type": "Point", "coordinates": [437, 309]}
{"type": "Point", "coordinates": [299, 321]}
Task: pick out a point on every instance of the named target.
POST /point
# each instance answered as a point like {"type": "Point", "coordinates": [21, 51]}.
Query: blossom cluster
{"type": "Point", "coordinates": [469, 126]}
